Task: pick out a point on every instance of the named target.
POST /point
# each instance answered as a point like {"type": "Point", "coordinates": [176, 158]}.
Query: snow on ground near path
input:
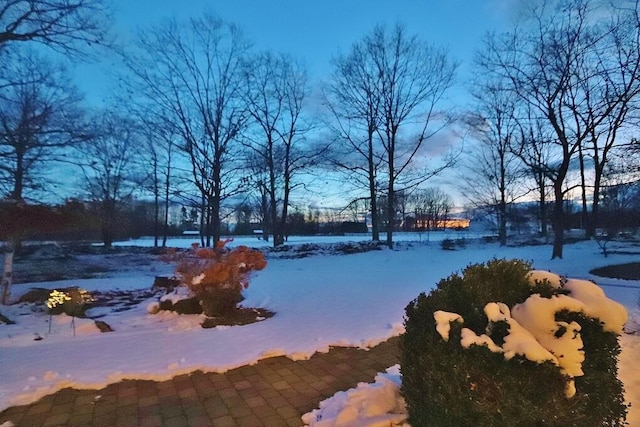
{"type": "Point", "coordinates": [629, 373]}
{"type": "Point", "coordinates": [368, 405]}
{"type": "Point", "coordinates": [381, 404]}
{"type": "Point", "coordinates": [354, 300]}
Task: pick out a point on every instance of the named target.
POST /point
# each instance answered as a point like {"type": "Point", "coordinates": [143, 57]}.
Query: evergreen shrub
{"type": "Point", "coordinates": [445, 384]}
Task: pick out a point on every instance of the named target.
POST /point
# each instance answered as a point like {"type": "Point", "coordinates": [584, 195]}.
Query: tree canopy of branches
{"type": "Point", "coordinates": [64, 25]}
{"type": "Point", "coordinates": [354, 101]}
{"type": "Point", "coordinates": [108, 169]}
{"type": "Point", "coordinates": [276, 92]}
{"type": "Point", "coordinates": [192, 73]}
{"type": "Point", "coordinates": [383, 98]}
{"type": "Point", "coordinates": [430, 207]}
{"type": "Point", "coordinates": [575, 64]}
{"type": "Point", "coordinates": [40, 116]}
{"type": "Point", "coordinates": [158, 159]}
{"type": "Point", "coordinates": [492, 172]}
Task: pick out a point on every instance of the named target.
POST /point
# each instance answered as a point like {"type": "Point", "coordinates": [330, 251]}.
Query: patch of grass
{"type": "Point", "coordinates": [629, 271]}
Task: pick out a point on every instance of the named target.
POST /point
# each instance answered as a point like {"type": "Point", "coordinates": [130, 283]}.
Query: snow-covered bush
{"type": "Point", "coordinates": [502, 345]}
{"type": "Point", "coordinates": [217, 276]}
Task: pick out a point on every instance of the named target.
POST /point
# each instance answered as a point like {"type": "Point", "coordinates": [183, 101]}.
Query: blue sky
{"type": "Point", "coordinates": [315, 31]}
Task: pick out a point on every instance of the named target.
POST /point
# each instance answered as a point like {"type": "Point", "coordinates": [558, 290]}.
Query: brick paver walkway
{"type": "Point", "coordinates": [274, 392]}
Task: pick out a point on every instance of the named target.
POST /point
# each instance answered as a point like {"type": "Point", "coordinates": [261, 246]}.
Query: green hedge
{"type": "Point", "coordinates": [445, 384]}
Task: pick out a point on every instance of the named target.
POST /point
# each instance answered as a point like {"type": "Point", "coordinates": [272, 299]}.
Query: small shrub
{"type": "Point", "coordinates": [217, 276]}
{"type": "Point", "coordinates": [448, 245]}
{"type": "Point", "coordinates": [446, 384]}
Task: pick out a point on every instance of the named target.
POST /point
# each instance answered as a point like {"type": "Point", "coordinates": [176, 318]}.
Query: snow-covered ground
{"type": "Point", "coordinates": [353, 300]}
{"type": "Point", "coordinates": [256, 242]}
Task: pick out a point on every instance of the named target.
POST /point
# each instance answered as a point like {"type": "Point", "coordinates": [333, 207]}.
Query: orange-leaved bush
{"type": "Point", "coordinates": [217, 276]}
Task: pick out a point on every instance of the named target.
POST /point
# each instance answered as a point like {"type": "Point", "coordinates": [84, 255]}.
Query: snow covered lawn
{"type": "Point", "coordinates": [351, 300]}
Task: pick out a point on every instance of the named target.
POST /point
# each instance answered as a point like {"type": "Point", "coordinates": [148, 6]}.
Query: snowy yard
{"type": "Point", "coordinates": [320, 301]}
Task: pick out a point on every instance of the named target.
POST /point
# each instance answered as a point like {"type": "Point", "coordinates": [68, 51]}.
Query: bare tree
{"type": "Point", "coordinates": [276, 88]}
{"type": "Point", "coordinates": [430, 206]}
{"type": "Point", "coordinates": [354, 100]}
{"type": "Point", "coordinates": [158, 153]}
{"type": "Point", "coordinates": [535, 147]}
{"type": "Point", "coordinates": [20, 221]}
{"type": "Point", "coordinates": [493, 173]}
{"type": "Point", "coordinates": [108, 169]}
{"type": "Point", "coordinates": [388, 90]}
{"type": "Point", "coordinates": [612, 85]}
{"type": "Point", "coordinates": [259, 177]}
{"type": "Point", "coordinates": [559, 63]}
{"type": "Point", "coordinates": [40, 117]}
{"type": "Point", "coordinates": [64, 25]}
{"type": "Point", "coordinates": [193, 72]}
{"type": "Point", "coordinates": [414, 79]}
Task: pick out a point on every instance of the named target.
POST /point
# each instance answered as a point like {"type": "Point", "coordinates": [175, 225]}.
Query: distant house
{"type": "Point", "coordinates": [430, 223]}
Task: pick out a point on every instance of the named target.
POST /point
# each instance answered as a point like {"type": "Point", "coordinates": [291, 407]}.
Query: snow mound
{"type": "Point", "coordinates": [376, 404]}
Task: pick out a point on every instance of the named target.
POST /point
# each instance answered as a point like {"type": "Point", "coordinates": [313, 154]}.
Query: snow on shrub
{"type": "Point", "coordinates": [504, 345]}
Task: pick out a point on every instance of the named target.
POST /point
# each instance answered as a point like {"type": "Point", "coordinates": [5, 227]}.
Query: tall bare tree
{"type": "Point", "coordinates": [40, 117]}
{"type": "Point", "coordinates": [275, 96]}
{"type": "Point", "coordinates": [193, 72]}
{"type": "Point", "coordinates": [395, 82]}
{"type": "Point", "coordinates": [415, 78]}
{"type": "Point", "coordinates": [561, 62]}
{"type": "Point", "coordinates": [68, 26]}
{"type": "Point", "coordinates": [108, 168]}
{"type": "Point", "coordinates": [535, 147]}
{"type": "Point", "coordinates": [492, 171]}
{"type": "Point", "coordinates": [353, 97]}
{"type": "Point", "coordinates": [158, 155]}
{"type": "Point", "coordinates": [612, 85]}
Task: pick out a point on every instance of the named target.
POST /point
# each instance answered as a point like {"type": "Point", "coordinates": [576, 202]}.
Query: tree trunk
{"type": "Point", "coordinates": [543, 216]}
{"type": "Point", "coordinates": [375, 219]}
{"type": "Point", "coordinates": [558, 221]}
{"type": "Point", "coordinates": [391, 155]}
{"type": "Point", "coordinates": [165, 220]}
{"type": "Point", "coordinates": [216, 222]}
{"type": "Point", "coordinates": [273, 211]}
{"type": "Point", "coordinates": [285, 203]}
{"type": "Point", "coordinates": [390, 210]}
{"type": "Point", "coordinates": [595, 207]}
{"type": "Point", "coordinates": [585, 213]}
{"type": "Point", "coordinates": [108, 219]}
{"type": "Point", "coordinates": [502, 225]}
{"type": "Point", "coordinates": [542, 205]}
{"type": "Point", "coordinates": [18, 184]}
{"type": "Point", "coordinates": [7, 274]}
{"type": "Point", "coordinates": [156, 215]}
{"type": "Point", "coordinates": [502, 209]}
{"type": "Point", "coordinates": [265, 212]}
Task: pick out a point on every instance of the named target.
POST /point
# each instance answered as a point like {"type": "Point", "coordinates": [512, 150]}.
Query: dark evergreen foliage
{"type": "Point", "coordinates": [445, 384]}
